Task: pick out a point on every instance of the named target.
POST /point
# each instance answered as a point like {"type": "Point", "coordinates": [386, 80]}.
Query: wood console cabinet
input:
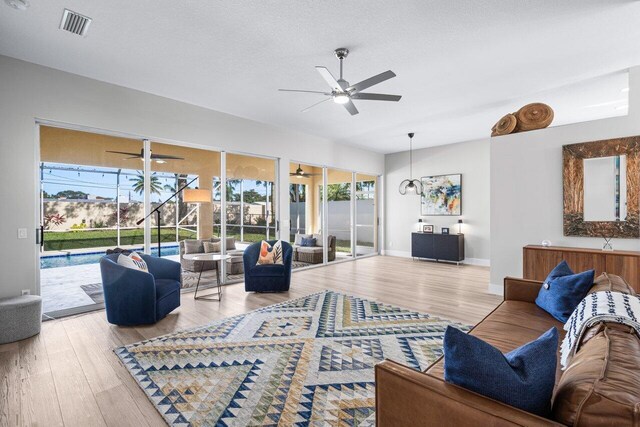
{"type": "Point", "coordinates": [538, 261]}
{"type": "Point", "coordinates": [441, 247]}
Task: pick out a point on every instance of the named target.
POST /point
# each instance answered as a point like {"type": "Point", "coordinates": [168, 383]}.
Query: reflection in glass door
{"type": "Point", "coordinates": [339, 213]}
{"type": "Point", "coordinates": [251, 207]}
{"type": "Point", "coordinates": [297, 209]}
{"type": "Point", "coordinates": [366, 214]}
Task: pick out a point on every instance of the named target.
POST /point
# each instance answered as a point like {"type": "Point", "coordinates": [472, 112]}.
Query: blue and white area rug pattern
{"type": "Point", "coordinates": [308, 361]}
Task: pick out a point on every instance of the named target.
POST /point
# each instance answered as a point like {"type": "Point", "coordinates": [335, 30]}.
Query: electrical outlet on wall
{"type": "Point", "coordinates": [26, 292]}
{"type": "Point", "coordinates": [22, 233]}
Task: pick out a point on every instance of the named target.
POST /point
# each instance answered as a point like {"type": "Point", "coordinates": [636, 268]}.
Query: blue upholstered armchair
{"type": "Point", "coordinates": [134, 297]}
{"type": "Point", "coordinates": [270, 277]}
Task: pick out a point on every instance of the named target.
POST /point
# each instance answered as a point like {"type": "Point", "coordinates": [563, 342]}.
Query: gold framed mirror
{"type": "Point", "coordinates": [601, 183]}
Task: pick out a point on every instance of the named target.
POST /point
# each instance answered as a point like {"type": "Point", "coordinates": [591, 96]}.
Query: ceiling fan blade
{"type": "Point", "coordinates": [124, 152]}
{"type": "Point", "coordinates": [371, 81]}
{"type": "Point", "coordinates": [328, 77]}
{"type": "Point", "coordinates": [304, 91]}
{"type": "Point", "coordinates": [313, 105]}
{"type": "Point", "coordinates": [299, 176]}
{"type": "Point", "coordinates": [165, 156]}
{"type": "Point", "coordinates": [133, 157]}
{"type": "Point", "coordinates": [351, 108]}
{"type": "Point", "coordinates": [376, 97]}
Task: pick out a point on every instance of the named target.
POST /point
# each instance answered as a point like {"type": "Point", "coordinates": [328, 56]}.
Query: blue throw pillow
{"type": "Point", "coordinates": [562, 291]}
{"type": "Point", "coordinates": [310, 242]}
{"type": "Point", "coordinates": [523, 378]}
{"type": "Point", "coordinates": [560, 270]}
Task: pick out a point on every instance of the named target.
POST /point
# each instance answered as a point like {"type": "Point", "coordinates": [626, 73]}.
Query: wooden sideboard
{"type": "Point", "coordinates": [538, 261]}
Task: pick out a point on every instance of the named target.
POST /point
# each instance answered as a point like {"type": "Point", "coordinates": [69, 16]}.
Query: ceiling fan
{"type": "Point", "coordinates": [299, 173]}
{"type": "Point", "coordinates": [343, 93]}
{"type": "Point", "coordinates": [158, 158]}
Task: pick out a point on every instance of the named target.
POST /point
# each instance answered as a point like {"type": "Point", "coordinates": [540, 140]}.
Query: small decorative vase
{"type": "Point", "coordinates": [546, 243]}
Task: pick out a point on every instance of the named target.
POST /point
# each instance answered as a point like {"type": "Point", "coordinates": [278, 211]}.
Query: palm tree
{"type": "Point", "coordinates": [138, 183]}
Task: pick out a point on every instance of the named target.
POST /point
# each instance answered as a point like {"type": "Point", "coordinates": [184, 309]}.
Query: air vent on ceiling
{"type": "Point", "coordinates": [75, 23]}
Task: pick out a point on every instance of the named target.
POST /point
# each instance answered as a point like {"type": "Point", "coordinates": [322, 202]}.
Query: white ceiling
{"type": "Point", "coordinates": [460, 64]}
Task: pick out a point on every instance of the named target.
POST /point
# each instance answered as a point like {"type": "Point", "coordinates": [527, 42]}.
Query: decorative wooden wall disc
{"type": "Point", "coordinates": [534, 116]}
{"type": "Point", "coordinates": [505, 125]}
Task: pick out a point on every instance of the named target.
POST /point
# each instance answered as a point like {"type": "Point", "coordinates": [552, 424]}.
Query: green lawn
{"type": "Point", "coordinates": [106, 238]}
{"type": "Point", "coordinates": [100, 238]}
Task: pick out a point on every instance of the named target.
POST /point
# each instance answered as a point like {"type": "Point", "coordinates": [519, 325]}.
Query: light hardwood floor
{"type": "Point", "coordinates": [68, 375]}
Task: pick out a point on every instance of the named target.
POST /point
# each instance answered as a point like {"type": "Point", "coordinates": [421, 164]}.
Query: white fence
{"type": "Point", "coordinates": [339, 219]}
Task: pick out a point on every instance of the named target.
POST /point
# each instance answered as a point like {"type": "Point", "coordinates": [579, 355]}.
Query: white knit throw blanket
{"type": "Point", "coordinates": [605, 306]}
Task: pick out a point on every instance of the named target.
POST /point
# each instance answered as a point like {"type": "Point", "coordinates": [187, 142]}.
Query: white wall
{"type": "Point", "coordinates": [471, 159]}
{"type": "Point", "coordinates": [526, 186]}
{"type": "Point", "coordinates": [29, 92]}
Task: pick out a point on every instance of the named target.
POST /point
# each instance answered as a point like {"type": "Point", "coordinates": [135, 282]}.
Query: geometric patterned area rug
{"type": "Point", "coordinates": [308, 361]}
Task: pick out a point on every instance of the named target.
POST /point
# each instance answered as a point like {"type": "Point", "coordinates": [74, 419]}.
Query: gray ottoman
{"type": "Point", "coordinates": [20, 318]}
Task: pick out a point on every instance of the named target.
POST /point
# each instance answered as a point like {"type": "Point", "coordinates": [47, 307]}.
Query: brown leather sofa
{"type": "Point", "coordinates": [600, 387]}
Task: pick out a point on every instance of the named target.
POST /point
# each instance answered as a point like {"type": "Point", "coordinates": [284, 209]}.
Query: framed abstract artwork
{"type": "Point", "coordinates": [442, 195]}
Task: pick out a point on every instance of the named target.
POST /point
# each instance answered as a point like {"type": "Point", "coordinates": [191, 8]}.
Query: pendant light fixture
{"type": "Point", "coordinates": [411, 186]}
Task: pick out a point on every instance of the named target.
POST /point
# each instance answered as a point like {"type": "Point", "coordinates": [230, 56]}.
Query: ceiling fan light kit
{"type": "Point", "coordinates": [411, 186]}
{"type": "Point", "coordinates": [342, 93]}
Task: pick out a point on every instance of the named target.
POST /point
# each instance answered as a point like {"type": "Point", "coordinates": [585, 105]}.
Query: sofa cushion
{"type": "Point", "coordinates": [268, 270]}
{"type": "Point", "coordinates": [601, 385]}
{"type": "Point", "coordinates": [310, 250]}
{"type": "Point", "coordinates": [308, 243]}
{"type": "Point", "coordinates": [193, 246]}
{"type": "Point", "coordinates": [509, 326]}
{"type": "Point", "coordinates": [319, 241]}
{"type": "Point", "coordinates": [522, 378]}
{"type": "Point", "coordinates": [212, 247]}
{"type": "Point", "coordinates": [231, 243]}
{"type": "Point", "coordinates": [605, 282]}
{"type": "Point", "coordinates": [611, 282]}
{"type": "Point", "coordinates": [561, 295]}
{"type": "Point", "coordinates": [299, 237]}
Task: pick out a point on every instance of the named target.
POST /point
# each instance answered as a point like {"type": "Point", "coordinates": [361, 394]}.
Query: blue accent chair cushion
{"type": "Point", "coordinates": [133, 297]}
{"type": "Point", "coordinates": [523, 378]}
{"type": "Point", "coordinates": [267, 277]}
{"type": "Point", "coordinates": [308, 242]}
{"type": "Point", "coordinates": [563, 290]}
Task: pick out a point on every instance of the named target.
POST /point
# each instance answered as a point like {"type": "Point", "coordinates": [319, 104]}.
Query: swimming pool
{"type": "Point", "coordinates": [55, 261]}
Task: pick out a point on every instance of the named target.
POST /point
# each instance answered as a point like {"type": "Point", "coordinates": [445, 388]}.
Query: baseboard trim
{"type": "Point", "coordinates": [495, 289]}
{"type": "Point", "coordinates": [402, 254]}
{"type": "Point", "coordinates": [470, 261]}
{"type": "Point", "coordinates": [478, 261]}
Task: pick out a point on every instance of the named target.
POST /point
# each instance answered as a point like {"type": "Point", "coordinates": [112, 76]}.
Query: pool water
{"type": "Point", "coordinates": [55, 261]}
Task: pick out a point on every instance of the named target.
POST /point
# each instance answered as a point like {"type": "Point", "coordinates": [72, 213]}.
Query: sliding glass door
{"type": "Point", "coordinates": [90, 199]}
{"type": "Point", "coordinates": [342, 202]}
{"type": "Point", "coordinates": [99, 192]}
{"type": "Point", "coordinates": [339, 214]}
{"type": "Point", "coordinates": [366, 214]}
